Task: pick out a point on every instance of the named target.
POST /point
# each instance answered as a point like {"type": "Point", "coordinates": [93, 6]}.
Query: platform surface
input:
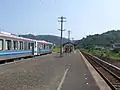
{"type": "Point", "coordinates": [48, 72]}
{"type": "Point", "coordinates": [78, 76]}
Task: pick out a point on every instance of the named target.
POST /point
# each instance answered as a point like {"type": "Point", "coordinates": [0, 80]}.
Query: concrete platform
{"type": "Point", "coordinates": [98, 79]}
{"type": "Point", "coordinates": [79, 76]}
{"type": "Point", "coordinates": [50, 72]}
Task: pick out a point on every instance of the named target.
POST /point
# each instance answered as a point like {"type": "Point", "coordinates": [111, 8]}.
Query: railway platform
{"type": "Point", "coordinates": [50, 72]}
{"type": "Point", "coordinates": [82, 76]}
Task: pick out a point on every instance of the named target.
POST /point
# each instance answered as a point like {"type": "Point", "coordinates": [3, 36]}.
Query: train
{"type": "Point", "coordinates": [13, 46]}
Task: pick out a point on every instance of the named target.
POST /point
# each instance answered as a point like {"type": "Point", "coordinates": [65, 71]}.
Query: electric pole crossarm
{"type": "Point", "coordinates": [60, 30]}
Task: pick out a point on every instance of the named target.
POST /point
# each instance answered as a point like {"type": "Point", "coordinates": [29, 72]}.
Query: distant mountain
{"type": "Point", "coordinates": [105, 39]}
{"type": "Point", "coordinates": [49, 38]}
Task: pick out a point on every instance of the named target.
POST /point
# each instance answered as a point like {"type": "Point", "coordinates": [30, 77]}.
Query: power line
{"type": "Point", "coordinates": [61, 20]}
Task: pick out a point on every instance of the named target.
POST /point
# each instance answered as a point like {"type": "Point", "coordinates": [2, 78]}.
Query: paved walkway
{"type": "Point", "coordinates": [78, 76]}
{"type": "Point", "coordinates": [49, 72]}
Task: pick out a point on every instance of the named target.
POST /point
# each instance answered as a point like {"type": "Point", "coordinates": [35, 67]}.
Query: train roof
{"type": "Point", "coordinates": [16, 37]}
{"type": "Point", "coordinates": [13, 36]}
{"type": "Point", "coordinates": [44, 42]}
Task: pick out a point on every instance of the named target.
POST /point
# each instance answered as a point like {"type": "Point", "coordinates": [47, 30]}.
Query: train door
{"type": "Point", "coordinates": [34, 48]}
{"type": "Point", "coordinates": [32, 45]}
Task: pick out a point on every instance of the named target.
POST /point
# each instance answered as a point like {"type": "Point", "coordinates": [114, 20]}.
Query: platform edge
{"type": "Point", "coordinates": [98, 79]}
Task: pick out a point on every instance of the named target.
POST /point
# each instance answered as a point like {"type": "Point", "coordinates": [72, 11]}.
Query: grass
{"type": "Point", "coordinates": [56, 50]}
{"type": "Point", "coordinates": [108, 54]}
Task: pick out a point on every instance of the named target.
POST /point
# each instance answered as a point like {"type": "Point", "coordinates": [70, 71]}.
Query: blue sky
{"type": "Point", "coordinates": [84, 17]}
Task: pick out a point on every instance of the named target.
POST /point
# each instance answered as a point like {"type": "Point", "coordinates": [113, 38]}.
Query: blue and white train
{"type": "Point", "coordinates": [12, 46]}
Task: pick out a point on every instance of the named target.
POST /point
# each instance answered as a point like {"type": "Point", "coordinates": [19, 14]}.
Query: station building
{"type": "Point", "coordinates": [68, 47]}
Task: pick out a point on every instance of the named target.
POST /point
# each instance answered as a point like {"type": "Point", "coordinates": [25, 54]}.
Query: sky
{"type": "Point", "coordinates": [40, 17]}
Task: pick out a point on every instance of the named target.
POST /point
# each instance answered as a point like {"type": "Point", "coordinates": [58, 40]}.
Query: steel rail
{"type": "Point", "coordinates": [108, 72]}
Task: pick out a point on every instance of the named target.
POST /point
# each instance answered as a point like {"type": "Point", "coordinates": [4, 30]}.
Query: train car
{"type": "Point", "coordinates": [12, 46]}
{"type": "Point", "coordinates": [44, 47]}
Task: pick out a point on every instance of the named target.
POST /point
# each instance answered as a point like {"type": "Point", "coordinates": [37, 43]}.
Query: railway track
{"type": "Point", "coordinates": [109, 72]}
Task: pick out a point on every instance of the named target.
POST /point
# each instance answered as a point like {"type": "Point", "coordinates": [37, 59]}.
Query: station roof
{"type": "Point", "coordinates": [68, 43]}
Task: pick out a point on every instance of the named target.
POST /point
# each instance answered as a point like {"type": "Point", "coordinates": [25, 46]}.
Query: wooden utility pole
{"type": "Point", "coordinates": [72, 39]}
{"type": "Point", "coordinates": [62, 19]}
{"type": "Point", "coordinates": [69, 35]}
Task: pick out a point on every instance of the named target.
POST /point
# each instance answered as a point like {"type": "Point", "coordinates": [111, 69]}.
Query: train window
{"type": "Point", "coordinates": [44, 46]}
{"type": "Point", "coordinates": [32, 46]}
{"type": "Point", "coordinates": [29, 46]}
{"type": "Point", "coordinates": [38, 45]}
{"type": "Point", "coordinates": [15, 45]}
{"type": "Point", "coordinates": [47, 46]}
{"type": "Point", "coordinates": [21, 45]}
{"type": "Point", "coordinates": [50, 46]}
{"type": "Point", "coordinates": [8, 44]}
{"type": "Point", "coordinates": [1, 44]}
{"type": "Point", "coordinates": [25, 46]}
{"type": "Point", "coordinates": [41, 46]}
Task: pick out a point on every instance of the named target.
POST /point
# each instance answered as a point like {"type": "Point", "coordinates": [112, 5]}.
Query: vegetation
{"type": "Point", "coordinates": [108, 54]}
{"type": "Point", "coordinates": [49, 38]}
{"type": "Point", "coordinates": [87, 44]}
{"type": "Point", "coordinates": [105, 39]}
{"type": "Point", "coordinates": [57, 49]}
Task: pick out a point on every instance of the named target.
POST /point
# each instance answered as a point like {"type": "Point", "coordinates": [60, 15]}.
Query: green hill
{"type": "Point", "coordinates": [105, 39]}
{"type": "Point", "coordinates": [49, 38]}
